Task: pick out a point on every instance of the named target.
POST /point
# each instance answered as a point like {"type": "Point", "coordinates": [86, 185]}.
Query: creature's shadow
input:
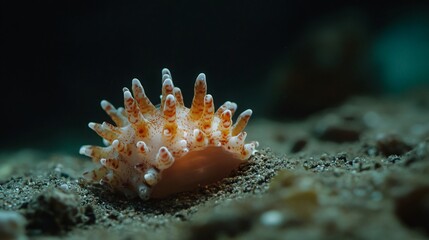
{"type": "Point", "coordinates": [173, 203]}
{"type": "Point", "coordinates": [170, 205]}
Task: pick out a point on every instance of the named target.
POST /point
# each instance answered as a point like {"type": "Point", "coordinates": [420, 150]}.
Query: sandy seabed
{"type": "Point", "coordinates": [358, 171]}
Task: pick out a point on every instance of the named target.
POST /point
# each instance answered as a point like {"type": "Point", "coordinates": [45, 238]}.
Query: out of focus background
{"type": "Point", "coordinates": [284, 59]}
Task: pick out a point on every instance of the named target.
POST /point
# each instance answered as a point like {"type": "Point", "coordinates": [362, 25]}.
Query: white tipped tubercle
{"type": "Point", "coordinates": [119, 146]}
{"type": "Point", "coordinates": [165, 77]}
{"type": "Point", "coordinates": [104, 130]}
{"type": "Point", "coordinates": [127, 94]}
{"type": "Point", "coordinates": [103, 161]}
{"type": "Point", "coordinates": [130, 106]}
{"type": "Point", "coordinates": [242, 121]}
{"type": "Point", "coordinates": [143, 101]}
{"type": "Point", "coordinates": [231, 106]}
{"type": "Point", "coordinates": [208, 105]}
{"type": "Point", "coordinates": [237, 141]}
{"type": "Point", "coordinates": [226, 119]}
{"type": "Point", "coordinates": [114, 113]}
{"type": "Point", "coordinates": [151, 176]}
{"type": "Point", "coordinates": [165, 73]}
{"type": "Point", "coordinates": [142, 147]}
{"type": "Point", "coordinates": [164, 159]}
{"type": "Point", "coordinates": [91, 125]}
{"type": "Point", "coordinates": [167, 89]}
{"type": "Point", "coordinates": [112, 164]}
{"type": "Point", "coordinates": [135, 81]}
{"type": "Point", "coordinates": [252, 146]}
{"type": "Point", "coordinates": [183, 143]}
{"type": "Point", "coordinates": [95, 152]}
{"type": "Point", "coordinates": [105, 104]}
{"type": "Point", "coordinates": [85, 150]}
{"type": "Point", "coordinates": [200, 91]}
{"type": "Point", "coordinates": [201, 77]}
{"type": "Point", "coordinates": [167, 85]}
{"type": "Point", "coordinates": [178, 95]}
{"type": "Point", "coordinates": [170, 109]}
{"type": "Point", "coordinates": [208, 114]}
{"type": "Point", "coordinates": [199, 139]}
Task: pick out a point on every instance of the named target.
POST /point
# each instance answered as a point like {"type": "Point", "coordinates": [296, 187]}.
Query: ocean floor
{"type": "Point", "coordinates": [358, 171]}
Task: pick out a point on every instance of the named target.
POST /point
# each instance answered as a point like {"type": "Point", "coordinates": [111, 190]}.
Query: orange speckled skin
{"type": "Point", "coordinates": [154, 152]}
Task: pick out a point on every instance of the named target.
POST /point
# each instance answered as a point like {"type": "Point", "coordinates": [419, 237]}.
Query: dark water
{"type": "Point", "coordinates": [283, 59]}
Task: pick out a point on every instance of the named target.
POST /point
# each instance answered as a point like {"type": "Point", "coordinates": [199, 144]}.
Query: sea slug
{"type": "Point", "coordinates": [156, 151]}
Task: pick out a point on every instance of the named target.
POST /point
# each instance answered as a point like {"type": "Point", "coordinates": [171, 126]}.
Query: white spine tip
{"type": "Point", "coordinates": [103, 161]}
{"type": "Point", "coordinates": [82, 150]}
{"type": "Point", "coordinates": [183, 143]}
{"type": "Point", "coordinates": [170, 98]}
{"type": "Point", "coordinates": [151, 176]}
{"type": "Point", "coordinates": [106, 142]}
{"type": "Point", "coordinates": [141, 146]}
{"type": "Point", "coordinates": [127, 94]}
{"type": "Point", "coordinates": [226, 112]}
{"type": "Point", "coordinates": [166, 133]}
{"type": "Point", "coordinates": [208, 98]}
{"type": "Point", "coordinates": [196, 132]}
{"type": "Point", "coordinates": [115, 143]}
{"type": "Point", "coordinates": [136, 81]}
{"type": "Point", "coordinates": [164, 159]}
{"type": "Point", "coordinates": [91, 125]}
{"type": "Point", "coordinates": [233, 106]}
{"type": "Point", "coordinates": [124, 89]}
{"type": "Point", "coordinates": [201, 77]}
{"type": "Point", "coordinates": [199, 138]}
{"type": "Point", "coordinates": [176, 90]}
{"type": "Point", "coordinates": [85, 150]}
{"type": "Point", "coordinates": [248, 112]}
{"type": "Point", "coordinates": [168, 82]}
{"type": "Point", "coordinates": [165, 71]}
{"type": "Point", "coordinates": [104, 104]}
{"type": "Point", "coordinates": [165, 77]}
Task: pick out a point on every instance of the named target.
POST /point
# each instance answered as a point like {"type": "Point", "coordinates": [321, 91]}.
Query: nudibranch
{"type": "Point", "coordinates": [156, 151]}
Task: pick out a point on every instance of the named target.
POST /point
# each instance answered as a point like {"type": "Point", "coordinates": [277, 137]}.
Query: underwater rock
{"type": "Point", "coordinates": [413, 209]}
{"type": "Point", "coordinates": [334, 129]}
{"type": "Point", "coordinates": [297, 192]}
{"type": "Point", "coordinates": [292, 201]}
{"type": "Point", "coordinates": [222, 224]}
{"type": "Point", "coordinates": [56, 211]}
{"type": "Point", "coordinates": [391, 144]}
{"type": "Point", "coordinates": [299, 145]}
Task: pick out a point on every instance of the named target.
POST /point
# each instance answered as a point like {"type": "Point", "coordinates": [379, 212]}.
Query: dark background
{"type": "Point", "coordinates": [60, 58]}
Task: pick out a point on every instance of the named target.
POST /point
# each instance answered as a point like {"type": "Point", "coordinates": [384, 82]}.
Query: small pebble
{"type": "Point", "coordinates": [271, 218]}
{"type": "Point", "coordinates": [64, 187]}
{"type": "Point", "coordinates": [298, 145]}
